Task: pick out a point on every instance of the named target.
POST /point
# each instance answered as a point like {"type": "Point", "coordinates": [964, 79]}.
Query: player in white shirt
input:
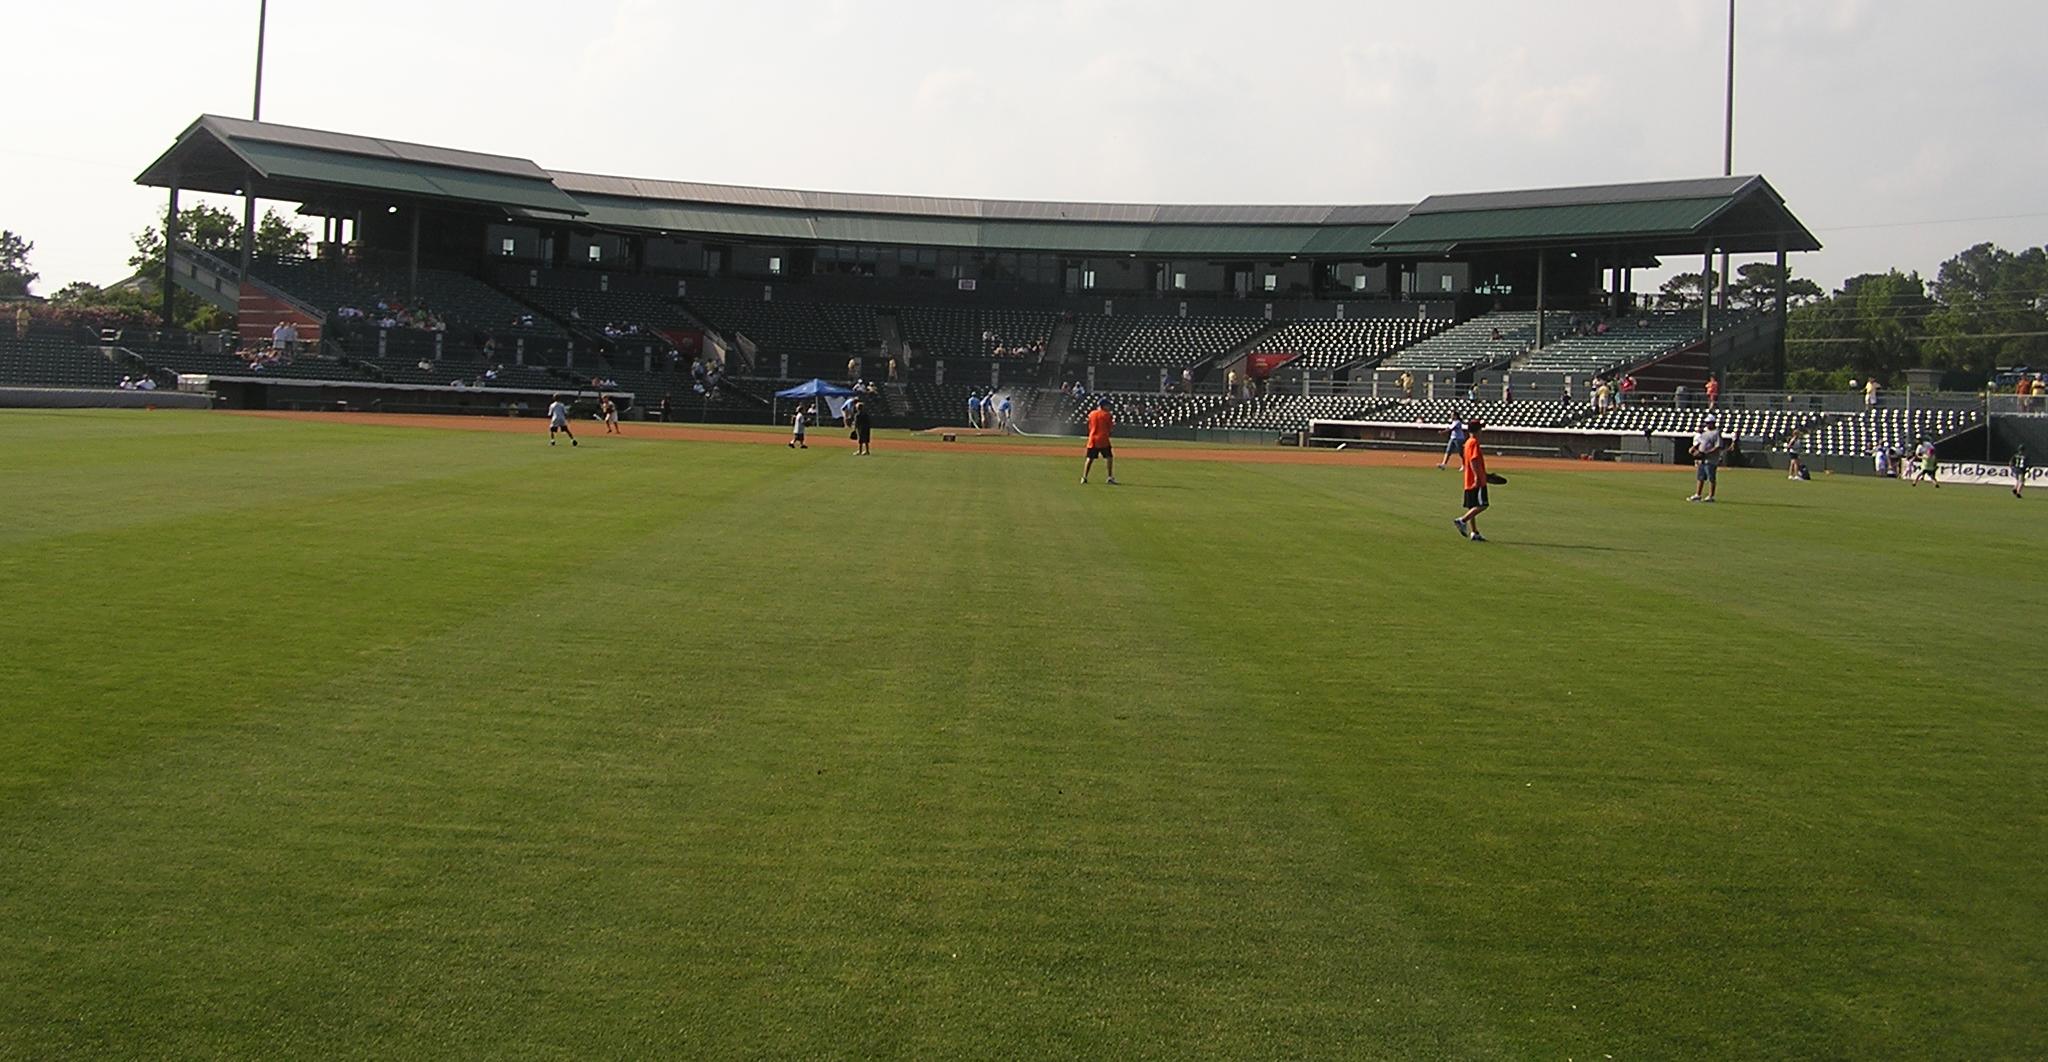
{"type": "Point", "coordinates": [1707, 447]}
{"type": "Point", "coordinates": [796, 434]}
{"type": "Point", "coordinates": [558, 421]}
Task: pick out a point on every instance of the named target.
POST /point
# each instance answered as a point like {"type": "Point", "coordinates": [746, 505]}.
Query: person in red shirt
{"type": "Point", "coordinates": [1099, 425]}
{"type": "Point", "coordinates": [1475, 485]}
{"type": "Point", "coordinates": [1713, 390]}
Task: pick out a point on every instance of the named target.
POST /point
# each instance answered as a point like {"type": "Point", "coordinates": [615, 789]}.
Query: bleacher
{"type": "Point", "coordinates": [776, 328]}
{"type": "Point", "coordinates": [1173, 342]}
{"type": "Point", "coordinates": [1327, 343]}
{"type": "Point", "coordinates": [1473, 345]}
{"type": "Point", "coordinates": [1142, 409]}
{"type": "Point", "coordinates": [1858, 434]}
{"type": "Point", "coordinates": [1768, 424]}
{"type": "Point", "coordinates": [46, 358]}
{"type": "Point", "coordinates": [1627, 342]}
{"type": "Point", "coordinates": [463, 302]}
{"type": "Point", "coordinates": [1520, 413]}
{"type": "Point", "coordinates": [175, 356]}
{"type": "Point", "coordinates": [1288, 412]}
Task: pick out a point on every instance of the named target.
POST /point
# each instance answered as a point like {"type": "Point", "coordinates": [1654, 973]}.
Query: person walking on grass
{"type": "Point", "coordinates": [1475, 484]}
{"type": "Point", "coordinates": [2019, 472]}
{"type": "Point", "coordinates": [609, 411]}
{"type": "Point", "coordinates": [796, 431]}
{"type": "Point", "coordinates": [558, 421]}
{"type": "Point", "coordinates": [1707, 447]}
{"type": "Point", "coordinates": [1929, 466]}
{"type": "Point", "coordinates": [1456, 446]}
{"type": "Point", "coordinates": [861, 427]}
{"type": "Point", "coordinates": [1100, 424]}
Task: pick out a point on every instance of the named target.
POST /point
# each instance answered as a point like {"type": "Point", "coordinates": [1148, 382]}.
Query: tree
{"type": "Point", "coordinates": [1756, 286]}
{"type": "Point", "coordinates": [217, 232]}
{"type": "Point", "coordinates": [1992, 311]}
{"type": "Point", "coordinates": [1685, 291]}
{"type": "Point", "coordinates": [15, 275]}
{"type": "Point", "coordinates": [1872, 326]}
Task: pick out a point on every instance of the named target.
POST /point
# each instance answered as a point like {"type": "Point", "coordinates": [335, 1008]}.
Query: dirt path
{"type": "Point", "coordinates": [903, 440]}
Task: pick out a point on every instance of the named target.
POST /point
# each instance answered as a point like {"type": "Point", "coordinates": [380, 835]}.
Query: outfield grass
{"type": "Point", "coordinates": [330, 740]}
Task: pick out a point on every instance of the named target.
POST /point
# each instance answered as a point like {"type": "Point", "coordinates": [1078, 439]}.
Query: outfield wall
{"type": "Point", "coordinates": [98, 398]}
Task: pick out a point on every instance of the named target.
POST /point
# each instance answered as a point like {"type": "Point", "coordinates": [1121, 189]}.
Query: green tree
{"type": "Point", "coordinates": [1993, 310]}
{"type": "Point", "coordinates": [1686, 291]}
{"type": "Point", "coordinates": [1874, 325]}
{"type": "Point", "coordinates": [15, 275]}
{"type": "Point", "coordinates": [217, 232]}
{"type": "Point", "coordinates": [1756, 287]}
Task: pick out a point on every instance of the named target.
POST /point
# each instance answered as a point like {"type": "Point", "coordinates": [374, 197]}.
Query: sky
{"type": "Point", "coordinates": [1899, 132]}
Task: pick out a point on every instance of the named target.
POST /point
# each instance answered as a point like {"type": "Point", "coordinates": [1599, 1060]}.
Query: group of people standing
{"type": "Point", "coordinates": [988, 410]}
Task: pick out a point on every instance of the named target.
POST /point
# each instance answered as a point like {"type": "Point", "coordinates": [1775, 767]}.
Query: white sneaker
{"type": "Point", "coordinates": [1112, 481]}
{"type": "Point", "coordinates": [1693, 498]}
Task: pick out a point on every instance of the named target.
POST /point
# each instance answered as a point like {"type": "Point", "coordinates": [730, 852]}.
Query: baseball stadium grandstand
{"type": "Point", "coordinates": [430, 255]}
{"type": "Point", "coordinates": [453, 280]}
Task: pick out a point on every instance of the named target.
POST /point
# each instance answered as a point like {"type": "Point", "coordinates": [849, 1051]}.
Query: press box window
{"type": "Point", "coordinates": [1272, 282]}
{"type": "Point", "coordinates": [506, 245]}
{"type": "Point", "coordinates": [596, 253]}
{"type": "Point", "coordinates": [775, 265]}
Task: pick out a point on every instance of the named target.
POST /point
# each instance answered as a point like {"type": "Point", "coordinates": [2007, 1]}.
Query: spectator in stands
{"type": "Point", "coordinates": [892, 370]}
{"type": "Point", "coordinates": [1407, 381]}
{"type": "Point", "coordinates": [1678, 397]}
{"type": "Point", "coordinates": [1870, 389]}
{"type": "Point", "coordinates": [425, 365]}
{"type": "Point", "coordinates": [1230, 382]}
{"type": "Point", "coordinates": [1713, 390]}
{"type": "Point", "coordinates": [1100, 427]}
{"type": "Point", "coordinates": [283, 336]}
{"type": "Point", "coordinates": [1458, 433]}
{"type": "Point", "coordinates": [1187, 381]}
{"type": "Point", "coordinates": [20, 322]}
{"type": "Point", "coordinates": [853, 367]}
{"type": "Point", "coordinates": [1507, 387]}
{"type": "Point", "coordinates": [1628, 391]}
{"type": "Point", "coordinates": [1603, 395]}
{"type": "Point", "coordinates": [2038, 391]}
{"type": "Point", "coordinates": [146, 383]}
{"type": "Point", "coordinates": [1476, 502]}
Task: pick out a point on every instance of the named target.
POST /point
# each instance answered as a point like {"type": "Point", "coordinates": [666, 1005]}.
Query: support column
{"type": "Point", "coordinates": [170, 241]}
{"type": "Point", "coordinates": [248, 228]}
{"type": "Point", "coordinates": [1706, 293]}
{"type": "Point", "coordinates": [412, 259]}
{"type": "Point", "coordinates": [1540, 259]}
{"type": "Point", "coordinates": [1778, 348]}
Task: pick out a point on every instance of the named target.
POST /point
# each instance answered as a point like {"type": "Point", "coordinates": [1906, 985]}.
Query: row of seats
{"type": "Point", "coordinates": [463, 302]}
{"type": "Point", "coordinates": [1485, 340]}
{"type": "Point", "coordinates": [1743, 423]}
{"type": "Point", "coordinates": [1330, 343]}
{"type": "Point", "coordinates": [1272, 412]}
{"type": "Point", "coordinates": [46, 360]}
{"type": "Point", "coordinates": [1627, 342]}
{"type": "Point", "coordinates": [1520, 413]}
{"type": "Point", "coordinates": [1860, 434]}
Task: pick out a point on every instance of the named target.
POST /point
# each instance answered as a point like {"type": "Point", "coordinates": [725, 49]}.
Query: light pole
{"type": "Point", "coordinates": [1728, 140]}
{"type": "Point", "coordinates": [255, 115]}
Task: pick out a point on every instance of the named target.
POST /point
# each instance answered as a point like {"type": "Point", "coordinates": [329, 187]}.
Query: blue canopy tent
{"type": "Point", "coordinates": [817, 390]}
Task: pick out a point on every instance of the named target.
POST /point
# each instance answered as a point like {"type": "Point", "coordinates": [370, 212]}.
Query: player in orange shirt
{"type": "Point", "coordinates": [1099, 425]}
{"type": "Point", "coordinates": [1475, 485]}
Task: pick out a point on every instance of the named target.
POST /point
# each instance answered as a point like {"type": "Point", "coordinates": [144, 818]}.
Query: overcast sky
{"type": "Point", "coordinates": [1900, 132]}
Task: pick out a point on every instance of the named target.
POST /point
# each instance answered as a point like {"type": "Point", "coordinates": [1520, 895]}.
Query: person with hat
{"type": "Point", "coordinates": [1707, 447]}
{"type": "Point", "coordinates": [1100, 424]}
{"type": "Point", "coordinates": [1475, 484]}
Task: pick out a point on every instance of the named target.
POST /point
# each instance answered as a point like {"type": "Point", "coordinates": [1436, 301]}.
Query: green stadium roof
{"type": "Point", "coordinates": [215, 154]}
